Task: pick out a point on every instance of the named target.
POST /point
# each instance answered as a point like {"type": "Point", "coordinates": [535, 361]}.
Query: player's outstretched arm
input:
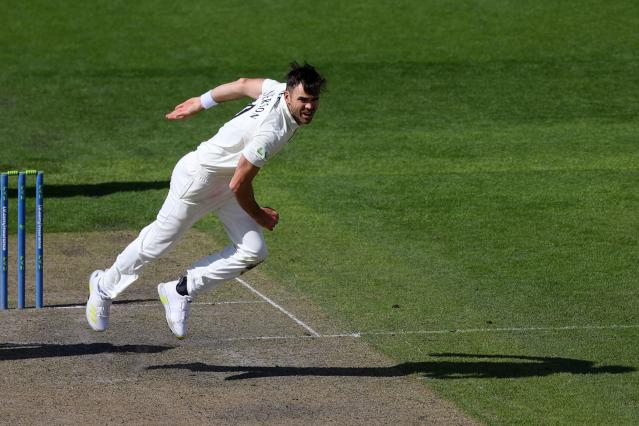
{"type": "Point", "coordinates": [186, 109]}
{"type": "Point", "coordinates": [251, 87]}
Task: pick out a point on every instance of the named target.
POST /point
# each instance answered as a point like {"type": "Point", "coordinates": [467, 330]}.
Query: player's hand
{"type": "Point", "coordinates": [269, 218]}
{"type": "Point", "coordinates": [186, 109]}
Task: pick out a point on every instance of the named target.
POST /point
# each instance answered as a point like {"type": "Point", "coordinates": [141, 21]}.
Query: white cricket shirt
{"type": "Point", "coordinates": [258, 132]}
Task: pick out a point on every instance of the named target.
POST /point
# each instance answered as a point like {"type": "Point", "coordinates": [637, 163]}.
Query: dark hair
{"type": "Point", "coordinates": [306, 74]}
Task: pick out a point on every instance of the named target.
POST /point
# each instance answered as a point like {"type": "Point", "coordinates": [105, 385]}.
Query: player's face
{"type": "Point", "coordinates": [301, 104]}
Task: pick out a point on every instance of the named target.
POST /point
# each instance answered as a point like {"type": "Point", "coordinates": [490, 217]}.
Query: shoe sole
{"type": "Point", "coordinates": [167, 313]}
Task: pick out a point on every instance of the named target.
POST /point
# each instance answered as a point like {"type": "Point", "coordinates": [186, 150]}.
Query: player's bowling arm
{"type": "Point", "coordinates": [242, 186]}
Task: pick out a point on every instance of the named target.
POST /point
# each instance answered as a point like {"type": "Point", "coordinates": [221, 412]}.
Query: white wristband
{"type": "Point", "coordinates": [207, 100]}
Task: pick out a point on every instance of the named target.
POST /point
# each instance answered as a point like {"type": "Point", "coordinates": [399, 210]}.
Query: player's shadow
{"type": "Point", "coordinates": [19, 351]}
{"type": "Point", "coordinates": [460, 366]}
{"type": "Point", "coordinates": [91, 189]}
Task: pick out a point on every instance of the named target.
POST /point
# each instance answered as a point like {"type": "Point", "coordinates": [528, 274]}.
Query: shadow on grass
{"type": "Point", "coordinates": [19, 351]}
{"type": "Point", "coordinates": [91, 190]}
{"type": "Point", "coordinates": [490, 367]}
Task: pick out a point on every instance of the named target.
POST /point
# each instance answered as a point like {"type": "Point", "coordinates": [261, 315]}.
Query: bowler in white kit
{"type": "Point", "coordinates": [216, 177]}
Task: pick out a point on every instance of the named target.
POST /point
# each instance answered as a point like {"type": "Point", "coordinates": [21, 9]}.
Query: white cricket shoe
{"type": "Point", "coordinates": [176, 308]}
{"type": "Point", "coordinates": [98, 308]}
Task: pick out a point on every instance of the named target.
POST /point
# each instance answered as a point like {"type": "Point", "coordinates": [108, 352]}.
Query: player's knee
{"type": "Point", "coordinates": [254, 254]}
{"type": "Point", "coordinates": [262, 254]}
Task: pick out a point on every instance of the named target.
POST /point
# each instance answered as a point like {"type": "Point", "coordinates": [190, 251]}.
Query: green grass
{"type": "Point", "coordinates": [474, 163]}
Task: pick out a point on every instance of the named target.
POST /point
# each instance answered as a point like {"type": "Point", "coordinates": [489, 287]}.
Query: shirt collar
{"type": "Point", "coordinates": [289, 117]}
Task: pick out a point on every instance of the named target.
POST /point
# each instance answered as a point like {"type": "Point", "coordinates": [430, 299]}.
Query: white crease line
{"type": "Point", "coordinates": [290, 337]}
{"type": "Point", "coordinates": [497, 330]}
{"type": "Point", "coordinates": [373, 333]}
{"type": "Point", "coordinates": [291, 316]}
{"type": "Point", "coordinates": [449, 331]}
{"type": "Point", "coordinates": [238, 302]}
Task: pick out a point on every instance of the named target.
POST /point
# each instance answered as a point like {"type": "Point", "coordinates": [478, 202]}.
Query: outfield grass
{"type": "Point", "coordinates": [474, 164]}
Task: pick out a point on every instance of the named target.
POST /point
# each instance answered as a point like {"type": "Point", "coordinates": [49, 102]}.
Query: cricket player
{"type": "Point", "coordinates": [217, 177]}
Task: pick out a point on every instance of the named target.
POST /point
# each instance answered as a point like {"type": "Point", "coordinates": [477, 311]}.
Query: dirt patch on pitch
{"type": "Point", "coordinates": [244, 362]}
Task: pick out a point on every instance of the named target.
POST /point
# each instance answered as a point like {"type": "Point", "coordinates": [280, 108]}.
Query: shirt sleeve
{"type": "Point", "coordinates": [260, 149]}
{"type": "Point", "coordinates": [269, 85]}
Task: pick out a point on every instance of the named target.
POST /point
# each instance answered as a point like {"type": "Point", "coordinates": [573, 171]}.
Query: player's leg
{"type": "Point", "coordinates": [154, 241]}
{"type": "Point", "coordinates": [183, 207]}
{"type": "Point", "coordinates": [185, 204]}
{"type": "Point", "coordinates": [247, 250]}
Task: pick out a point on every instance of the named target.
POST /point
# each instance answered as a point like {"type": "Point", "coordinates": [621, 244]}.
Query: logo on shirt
{"type": "Point", "coordinates": [261, 152]}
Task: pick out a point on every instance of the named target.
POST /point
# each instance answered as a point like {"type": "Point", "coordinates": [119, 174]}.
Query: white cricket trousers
{"type": "Point", "coordinates": [193, 193]}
